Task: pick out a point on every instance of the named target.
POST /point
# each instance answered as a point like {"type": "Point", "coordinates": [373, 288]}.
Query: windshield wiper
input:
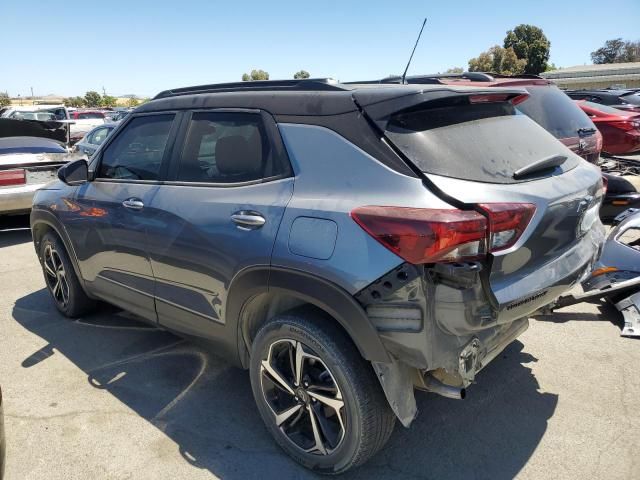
{"type": "Point", "coordinates": [586, 131]}
{"type": "Point", "coordinates": [544, 164]}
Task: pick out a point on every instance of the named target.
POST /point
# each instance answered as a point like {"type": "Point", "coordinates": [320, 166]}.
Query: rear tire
{"type": "Point", "coordinates": [64, 287]}
{"type": "Point", "coordinates": [331, 416]}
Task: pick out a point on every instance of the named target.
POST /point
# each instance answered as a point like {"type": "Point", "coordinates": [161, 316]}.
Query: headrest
{"type": "Point", "coordinates": [237, 155]}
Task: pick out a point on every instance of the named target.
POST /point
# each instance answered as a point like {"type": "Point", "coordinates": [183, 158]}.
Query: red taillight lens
{"type": "Point", "coordinates": [421, 235]}
{"type": "Point", "coordinates": [598, 141]}
{"type": "Point", "coordinates": [12, 177]}
{"type": "Point", "coordinates": [507, 221]}
{"type": "Point", "coordinates": [424, 235]}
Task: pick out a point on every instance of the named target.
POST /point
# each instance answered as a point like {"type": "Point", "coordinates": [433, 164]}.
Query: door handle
{"type": "Point", "coordinates": [133, 204]}
{"type": "Point", "coordinates": [248, 220]}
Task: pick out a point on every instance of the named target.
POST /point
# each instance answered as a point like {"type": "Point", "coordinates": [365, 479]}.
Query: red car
{"type": "Point", "coordinates": [620, 129]}
{"type": "Point", "coordinates": [85, 114]}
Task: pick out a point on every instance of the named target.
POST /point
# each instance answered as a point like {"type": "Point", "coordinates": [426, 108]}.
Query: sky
{"type": "Point", "coordinates": [67, 47]}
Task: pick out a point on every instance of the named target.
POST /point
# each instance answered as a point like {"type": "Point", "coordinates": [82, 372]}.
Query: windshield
{"type": "Point", "coordinates": [485, 142]}
{"type": "Point", "coordinates": [555, 111]}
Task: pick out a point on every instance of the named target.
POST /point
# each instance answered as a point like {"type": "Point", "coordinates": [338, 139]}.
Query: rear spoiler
{"type": "Point", "coordinates": [379, 110]}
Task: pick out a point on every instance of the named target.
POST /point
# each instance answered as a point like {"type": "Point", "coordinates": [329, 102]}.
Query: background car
{"type": "Point", "coordinates": [59, 112]}
{"type": "Point", "coordinates": [628, 99]}
{"type": "Point", "coordinates": [82, 121]}
{"type": "Point", "coordinates": [620, 129]}
{"type": "Point", "coordinates": [94, 138]}
{"type": "Point", "coordinates": [26, 164]}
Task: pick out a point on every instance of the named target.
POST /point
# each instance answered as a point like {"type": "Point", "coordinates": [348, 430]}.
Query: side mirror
{"type": "Point", "coordinates": [74, 173]}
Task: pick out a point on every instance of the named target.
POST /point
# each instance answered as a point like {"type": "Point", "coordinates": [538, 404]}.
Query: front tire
{"type": "Point", "coordinates": [68, 295]}
{"type": "Point", "coordinates": [318, 397]}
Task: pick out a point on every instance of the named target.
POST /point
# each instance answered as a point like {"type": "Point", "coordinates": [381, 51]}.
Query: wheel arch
{"type": "Point", "coordinates": [42, 222]}
{"type": "Point", "coordinates": [260, 293]}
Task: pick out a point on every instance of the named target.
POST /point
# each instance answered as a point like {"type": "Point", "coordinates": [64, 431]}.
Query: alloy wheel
{"type": "Point", "coordinates": [56, 275]}
{"type": "Point", "coordinates": [305, 400]}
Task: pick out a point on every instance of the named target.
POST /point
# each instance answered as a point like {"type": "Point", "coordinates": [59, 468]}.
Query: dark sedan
{"type": "Point", "coordinates": [628, 99]}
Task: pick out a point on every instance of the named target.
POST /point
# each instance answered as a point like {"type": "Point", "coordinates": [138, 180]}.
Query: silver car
{"type": "Point", "coordinates": [26, 164]}
{"type": "Point", "coordinates": [347, 244]}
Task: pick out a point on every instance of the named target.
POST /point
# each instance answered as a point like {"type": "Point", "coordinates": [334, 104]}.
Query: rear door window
{"type": "Point", "coordinates": [227, 147]}
{"type": "Point", "coordinates": [485, 142]}
{"type": "Point", "coordinates": [137, 152]}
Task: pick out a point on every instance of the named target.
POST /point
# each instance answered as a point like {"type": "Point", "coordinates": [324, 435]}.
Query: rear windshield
{"type": "Point", "coordinates": [632, 98]}
{"type": "Point", "coordinates": [554, 111]}
{"type": "Point", "coordinates": [485, 142]}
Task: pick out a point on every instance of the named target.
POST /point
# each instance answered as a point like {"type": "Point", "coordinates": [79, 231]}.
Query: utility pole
{"type": "Point", "coordinates": [33, 101]}
{"type": "Point", "coordinates": [104, 92]}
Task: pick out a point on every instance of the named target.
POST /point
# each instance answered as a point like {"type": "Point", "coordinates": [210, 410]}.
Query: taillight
{"type": "Point", "coordinates": [625, 125]}
{"type": "Point", "coordinates": [605, 185]}
{"type": "Point", "coordinates": [598, 141]}
{"type": "Point", "coordinates": [507, 221]}
{"type": "Point", "coordinates": [498, 97]}
{"type": "Point", "coordinates": [12, 177]}
{"type": "Point", "coordinates": [424, 235]}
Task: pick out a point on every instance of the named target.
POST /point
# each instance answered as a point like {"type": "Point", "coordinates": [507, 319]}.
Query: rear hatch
{"type": "Point", "coordinates": [478, 153]}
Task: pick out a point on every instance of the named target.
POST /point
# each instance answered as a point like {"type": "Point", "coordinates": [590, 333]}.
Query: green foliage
{"type": "Point", "coordinates": [498, 60]}
{"type": "Point", "coordinates": [109, 101]}
{"type": "Point", "coordinates": [530, 44]}
{"type": "Point", "coordinates": [5, 101]}
{"type": "Point", "coordinates": [551, 67]}
{"type": "Point", "coordinates": [454, 70]}
{"type": "Point", "coordinates": [74, 102]}
{"type": "Point", "coordinates": [133, 102]}
{"type": "Point", "coordinates": [92, 99]}
{"type": "Point", "coordinates": [617, 51]}
{"type": "Point", "coordinates": [301, 74]}
{"type": "Point", "coordinates": [255, 75]}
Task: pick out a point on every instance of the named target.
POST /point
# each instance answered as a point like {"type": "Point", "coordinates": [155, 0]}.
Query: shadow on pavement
{"type": "Point", "coordinates": [207, 408]}
{"type": "Point", "coordinates": [608, 313]}
{"type": "Point", "coordinates": [14, 230]}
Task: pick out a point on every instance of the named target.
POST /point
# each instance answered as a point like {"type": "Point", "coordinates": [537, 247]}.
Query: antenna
{"type": "Point", "coordinates": [404, 75]}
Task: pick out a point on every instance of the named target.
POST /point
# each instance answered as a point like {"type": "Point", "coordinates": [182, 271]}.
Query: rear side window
{"type": "Point", "coordinates": [227, 148]}
{"type": "Point", "coordinates": [89, 115]}
{"type": "Point", "coordinates": [554, 111]}
{"type": "Point", "coordinates": [485, 142]}
{"type": "Point", "coordinates": [137, 152]}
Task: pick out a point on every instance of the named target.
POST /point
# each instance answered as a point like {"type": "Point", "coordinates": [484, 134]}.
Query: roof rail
{"type": "Point", "coordinates": [474, 76]}
{"type": "Point", "coordinates": [307, 84]}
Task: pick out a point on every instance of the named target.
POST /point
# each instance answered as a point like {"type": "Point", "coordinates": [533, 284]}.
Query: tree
{"type": "Point", "coordinates": [454, 70]}
{"type": "Point", "coordinates": [301, 74]}
{"type": "Point", "coordinates": [617, 51]}
{"type": "Point", "coordinates": [530, 44]}
{"type": "Point", "coordinates": [109, 101]}
{"type": "Point", "coordinates": [73, 101]}
{"type": "Point", "coordinates": [498, 60]}
{"type": "Point", "coordinates": [92, 99]}
{"type": "Point", "coordinates": [132, 102]}
{"type": "Point", "coordinates": [5, 101]}
{"type": "Point", "coordinates": [255, 75]}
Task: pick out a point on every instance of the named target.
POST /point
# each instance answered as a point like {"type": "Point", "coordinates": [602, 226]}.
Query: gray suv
{"type": "Point", "coordinates": [347, 244]}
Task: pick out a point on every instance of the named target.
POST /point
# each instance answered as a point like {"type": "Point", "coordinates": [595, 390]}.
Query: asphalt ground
{"type": "Point", "coordinates": [107, 397]}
